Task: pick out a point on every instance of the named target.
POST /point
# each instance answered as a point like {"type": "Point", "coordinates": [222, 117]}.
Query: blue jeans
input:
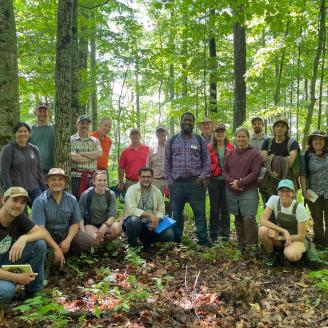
{"type": "Point", "coordinates": [33, 254]}
{"type": "Point", "coordinates": [182, 192]}
{"type": "Point", "coordinates": [135, 228]}
{"type": "Point", "coordinates": [219, 216]}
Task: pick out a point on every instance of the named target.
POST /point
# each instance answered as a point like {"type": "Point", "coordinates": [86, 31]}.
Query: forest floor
{"type": "Point", "coordinates": [175, 286]}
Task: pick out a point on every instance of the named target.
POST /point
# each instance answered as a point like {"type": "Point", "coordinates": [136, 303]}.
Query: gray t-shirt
{"type": "Point", "coordinates": [99, 210]}
{"type": "Point", "coordinates": [146, 202]}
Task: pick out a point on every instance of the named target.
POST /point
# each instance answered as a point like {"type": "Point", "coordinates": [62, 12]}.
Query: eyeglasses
{"type": "Point", "coordinates": [145, 177]}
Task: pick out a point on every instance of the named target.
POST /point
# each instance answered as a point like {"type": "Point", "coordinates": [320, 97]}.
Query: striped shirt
{"type": "Point", "coordinates": [155, 160]}
{"type": "Point", "coordinates": [186, 158]}
{"type": "Point", "coordinates": [79, 145]}
{"type": "Point", "coordinates": [57, 218]}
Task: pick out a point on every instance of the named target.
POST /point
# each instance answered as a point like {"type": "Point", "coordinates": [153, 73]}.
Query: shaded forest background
{"type": "Point", "coordinates": [146, 62]}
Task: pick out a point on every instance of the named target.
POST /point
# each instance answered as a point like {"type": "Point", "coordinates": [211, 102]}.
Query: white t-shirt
{"type": "Point", "coordinates": [301, 214]}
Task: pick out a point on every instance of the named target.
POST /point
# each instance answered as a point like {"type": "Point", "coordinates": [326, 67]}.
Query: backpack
{"type": "Point", "coordinates": [90, 192]}
{"type": "Point", "coordinates": [296, 167]}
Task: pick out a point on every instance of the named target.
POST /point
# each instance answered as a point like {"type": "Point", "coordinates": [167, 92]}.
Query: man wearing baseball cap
{"type": "Point", "coordinates": [43, 136]}
{"type": "Point", "coordinates": [20, 243]}
{"type": "Point", "coordinates": [85, 150]}
{"type": "Point", "coordinates": [288, 233]}
{"type": "Point", "coordinates": [131, 160]}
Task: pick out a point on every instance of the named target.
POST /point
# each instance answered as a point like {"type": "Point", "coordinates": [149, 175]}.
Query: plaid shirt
{"type": "Point", "coordinates": [186, 158]}
{"type": "Point", "coordinates": [79, 145]}
{"type": "Point", "coordinates": [155, 160]}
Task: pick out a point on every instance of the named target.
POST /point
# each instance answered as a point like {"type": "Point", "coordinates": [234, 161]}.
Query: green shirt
{"type": "Point", "coordinates": [44, 138]}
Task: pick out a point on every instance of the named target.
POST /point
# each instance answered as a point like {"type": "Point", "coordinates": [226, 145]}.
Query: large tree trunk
{"type": "Point", "coordinates": [63, 85]}
{"type": "Point", "coordinates": [83, 61]}
{"type": "Point", "coordinates": [322, 75]}
{"type": "Point", "coordinates": [93, 81]}
{"type": "Point", "coordinates": [137, 86]}
{"type": "Point", "coordinates": [321, 33]}
{"type": "Point", "coordinates": [239, 55]}
{"type": "Point", "coordinates": [9, 102]}
{"type": "Point", "coordinates": [212, 64]}
{"type": "Point", "coordinates": [75, 66]}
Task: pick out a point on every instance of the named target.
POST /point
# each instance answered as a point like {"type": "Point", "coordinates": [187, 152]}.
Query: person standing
{"type": "Point", "coordinates": [206, 126]}
{"type": "Point", "coordinates": [280, 157]}
{"type": "Point", "coordinates": [155, 159]}
{"type": "Point", "coordinates": [21, 164]}
{"type": "Point", "coordinates": [241, 169]}
{"type": "Point", "coordinates": [314, 177]}
{"type": "Point", "coordinates": [144, 207]}
{"type": "Point", "coordinates": [43, 136]}
{"type": "Point", "coordinates": [131, 160]}
{"type": "Point", "coordinates": [186, 170]}
{"type": "Point", "coordinates": [105, 126]}
{"type": "Point", "coordinates": [258, 136]}
{"type": "Point", "coordinates": [85, 150]}
{"type": "Point", "coordinates": [219, 148]}
{"type": "Point", "coordinates": [20, 243]}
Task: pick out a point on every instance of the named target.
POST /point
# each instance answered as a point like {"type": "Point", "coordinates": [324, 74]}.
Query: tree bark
{"type": "Point", "coordinates": [93, 62]}
{"type": "Point", "coordinates": [322, 75]}
{"type": "Point", "coordinates": [321, 33]}
{"type": "Point", "coordinates": [239, 41]}
{"type": "Point", "coordinates": [63, 85]}
{"type": "Point", "coordinates": [137, 86]}
{"type": "Point", "coordinates": [75, 67]}
{"type": "Point", "coordinates": [212, 64]}
{"type": "Point", "coordinates": [9, 98]}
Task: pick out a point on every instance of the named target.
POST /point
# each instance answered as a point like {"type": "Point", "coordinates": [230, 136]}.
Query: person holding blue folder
{"type": "Point", "coordinates": [144, 208]}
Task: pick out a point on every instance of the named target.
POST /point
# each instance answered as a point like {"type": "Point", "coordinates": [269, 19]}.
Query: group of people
{"type": "Point", "coordinates": [183, 168]}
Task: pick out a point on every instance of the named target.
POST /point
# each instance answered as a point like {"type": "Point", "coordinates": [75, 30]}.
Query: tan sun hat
{"type": "Point", "coordinates": [56, 171]}
{"type": "Point", "coordinates": [16, 192]}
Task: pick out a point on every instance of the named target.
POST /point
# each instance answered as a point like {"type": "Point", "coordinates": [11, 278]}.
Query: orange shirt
{"type": "Point", "coordinates": [105, 143]}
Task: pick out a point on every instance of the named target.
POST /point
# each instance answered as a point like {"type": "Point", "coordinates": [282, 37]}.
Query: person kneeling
{"type": "Point", "coordinates": [289, 231]}
{"type": "Point", "coordinates": [58, 211]}
{"type": "Point", "coordinates": [98, 209]}
{"type": "Point", "coordinates": [144, 206]}
{"type": "Point", "coordinates": [20, 243]}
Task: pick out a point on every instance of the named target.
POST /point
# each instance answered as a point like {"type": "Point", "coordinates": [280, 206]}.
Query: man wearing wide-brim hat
{"type": "Point", "coordinates": [58, 211]}
{"type": "Point", "coordinates": [206, 126]}
{"type": "Point", "coordinates": [287, 149]}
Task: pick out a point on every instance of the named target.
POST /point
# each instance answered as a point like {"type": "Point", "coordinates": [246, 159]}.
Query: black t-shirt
{"type": "Point", "coordinates": [280, 149]}
{"type": "Point", "coordinates": [8, 235]}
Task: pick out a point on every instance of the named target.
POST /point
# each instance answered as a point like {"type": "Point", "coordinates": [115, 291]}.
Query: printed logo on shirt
{"type": "Point", "coordinates": [5, 244]}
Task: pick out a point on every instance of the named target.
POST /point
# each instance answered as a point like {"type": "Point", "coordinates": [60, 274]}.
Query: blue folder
{"type": "Point", "coordinates": [164, 223]}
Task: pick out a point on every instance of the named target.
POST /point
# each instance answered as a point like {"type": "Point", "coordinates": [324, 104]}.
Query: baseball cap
{"type": "Point", "coordinates": [56, 171]}
{"type": "Point", "coordinates": [134, 130]}
{"type": "Point", "coordinates": [16, 192]}
{"type": "Point", "coordinates": [160, 127]}
{"type": "Point", "coordinates": [38, 107]}
{"type": "Point", "coordinates": [220, 127]}
{"type": "Point", "coordinates": [281, 120]}
{"type": "Point", "coordinates": [83, 118]}
{"type": "Point", "coordinates": [286, 184]}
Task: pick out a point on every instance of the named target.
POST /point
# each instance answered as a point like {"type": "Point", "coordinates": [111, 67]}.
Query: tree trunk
{"type": "Point", "coordinates": [322, 81]}
{"type": "Point", "coordinates": [136, 72]}
{"type": "Point", "coordinates": [212, 64]}
{"type": "Point", "coordinates": [93, 79]}
{"type": "Point", "coordinates": [63, 85]}
{"type": "Point", "coordinates": [321, 33]}
{"type": "Point", "coordinates": [239, 41]}
{"type": "Point", "coordinates": [83, 61]}
{"type": "Point", "coordinates": [9, 101]}
{"type": "Point", "coordinates": [171, 79]}
{"type": "Point", "coordinates": [75, 67]}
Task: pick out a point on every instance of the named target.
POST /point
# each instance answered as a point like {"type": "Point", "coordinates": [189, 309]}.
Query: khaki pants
{"type": "Point", "coordinates": [129, 183]}
{"type": "Point", "coordinates": [160, 184]}
{"type": "Point", "coordinates": [247, 230]}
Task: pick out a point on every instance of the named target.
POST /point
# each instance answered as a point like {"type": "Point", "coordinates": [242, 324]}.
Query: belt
{"type": "Point", "coordinates": [162, 178]}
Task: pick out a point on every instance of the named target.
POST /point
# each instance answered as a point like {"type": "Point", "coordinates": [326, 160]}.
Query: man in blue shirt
{"type": "Point", "coordinates": [186, 169]}
{"type": "Point", "coordinates": [58, 211]}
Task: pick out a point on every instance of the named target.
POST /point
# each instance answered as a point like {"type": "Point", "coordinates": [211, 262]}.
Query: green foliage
{"type": "Point", "coordinates": [321, 279]}
{"type": "Point", "coordinates": [132, 256]}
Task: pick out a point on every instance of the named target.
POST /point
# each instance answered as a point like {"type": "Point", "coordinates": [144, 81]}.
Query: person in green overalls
{"type": "Point", "coordinates": [289, 230]}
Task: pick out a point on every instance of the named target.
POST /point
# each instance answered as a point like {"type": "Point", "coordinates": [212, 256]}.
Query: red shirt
{"type": "Point", "coordinates": [105, 143]}
{"type": "Point", "coordinates": [132, 159]}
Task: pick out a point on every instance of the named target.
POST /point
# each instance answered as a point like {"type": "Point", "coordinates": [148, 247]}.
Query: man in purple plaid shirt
{"type": "Point", "coordinates": [186, 169]}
